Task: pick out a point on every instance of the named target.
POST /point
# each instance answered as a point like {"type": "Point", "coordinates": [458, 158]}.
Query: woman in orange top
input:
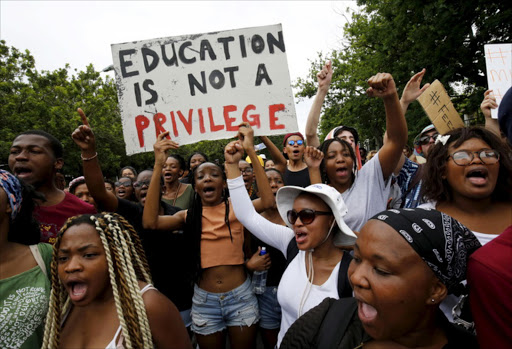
{"type": "Point", "coordinates": [223, 296]}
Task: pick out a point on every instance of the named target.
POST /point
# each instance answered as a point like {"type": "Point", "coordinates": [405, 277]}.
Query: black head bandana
{"type": "Point", "coordinates": [442, 242]}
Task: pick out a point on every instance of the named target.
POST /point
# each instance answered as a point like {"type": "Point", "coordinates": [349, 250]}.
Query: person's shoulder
{"type": "Point", "coordinates": [72, 202]}
{"type": "Point", "coordinates": [45, 249]}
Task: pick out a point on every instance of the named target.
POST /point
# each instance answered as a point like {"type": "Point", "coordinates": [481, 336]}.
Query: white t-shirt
{"type": "Point", "coordinates": [367, 196]}
{"type": "Point", "coordinates": [294, 280]}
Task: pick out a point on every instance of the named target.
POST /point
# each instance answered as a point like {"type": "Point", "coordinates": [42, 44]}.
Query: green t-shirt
{"type": "Point", "coordinates": [23, 305]}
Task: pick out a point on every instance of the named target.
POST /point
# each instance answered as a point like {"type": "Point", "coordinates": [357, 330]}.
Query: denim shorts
{"type": "Point", "coordinates": [213, 312]}
{"type": "Point", "coordinates": [270, 310]}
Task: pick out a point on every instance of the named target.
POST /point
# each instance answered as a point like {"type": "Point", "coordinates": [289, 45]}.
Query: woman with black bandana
{"type": "Point", "coordinates": [405, 263]}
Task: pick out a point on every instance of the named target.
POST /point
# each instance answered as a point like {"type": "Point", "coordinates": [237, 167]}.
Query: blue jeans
{"type": "Point", "coordinates": [270, 310]}
{"type": "Point", "coordinates": [213, 312]}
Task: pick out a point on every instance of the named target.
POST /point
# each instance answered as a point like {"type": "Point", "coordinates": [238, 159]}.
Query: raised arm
{"type": "Point", "coordinates": [151, 218]}
{"type": "Point", "coordinates": [86, 141]}
{"type": "Point", "coordinates": [412, 90]}
{"type": "Point", "coordinates": [383, 86]}
{"type": "Point", "coordinates": [489, 103]}
{"type": "Point", "coordinates": [275, 235]}
{"type": "Point", "coordinates": [313, 158]}
{"type": "Point", "coordinates": [276, 154]}
{"type": "Point", "coordinates": [266, 199]}
{"type": "Point", "coordinates": [324, 78]}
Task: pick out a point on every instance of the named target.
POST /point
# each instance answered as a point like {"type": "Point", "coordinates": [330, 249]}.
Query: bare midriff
{"type": "Point", "coordinates": [222, 278]}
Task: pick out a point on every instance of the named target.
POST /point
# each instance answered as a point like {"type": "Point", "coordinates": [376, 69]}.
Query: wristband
{"type": "Point", "coordinates": [88, 159]}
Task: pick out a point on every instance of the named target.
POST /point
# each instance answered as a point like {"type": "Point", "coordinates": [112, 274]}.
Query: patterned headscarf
{"type": "Point", "coordinates": [12, 188]}
{"type": "Point", "coordinates": [442, 242]}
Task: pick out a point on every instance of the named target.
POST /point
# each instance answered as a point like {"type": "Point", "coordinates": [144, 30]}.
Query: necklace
{"type": "Point", "coordinates": [177, 192]}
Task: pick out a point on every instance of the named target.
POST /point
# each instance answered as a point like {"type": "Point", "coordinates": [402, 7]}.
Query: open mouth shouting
{"type": "Point", "coordinates": [22, 172]}
{"type": "Point", "coordinates": [478, 176]}
{"type": "Point", "coordinates": [77, 289]}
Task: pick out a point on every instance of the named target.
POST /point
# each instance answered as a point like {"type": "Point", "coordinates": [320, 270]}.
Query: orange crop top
{"type": "Point", "coordinates": [216, 245]}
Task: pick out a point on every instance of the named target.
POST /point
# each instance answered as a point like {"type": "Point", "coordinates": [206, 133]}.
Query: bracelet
{"type": "Point", "coordinates": [87, 159]}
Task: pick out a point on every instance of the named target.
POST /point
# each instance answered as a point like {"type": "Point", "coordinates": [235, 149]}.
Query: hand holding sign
{"type": "Point", "coordinates": [412, 90]}
{"type": "Point", "coordinates": [488, 103]}
{"type": "Point", "coordinates": [161, 146]}
{"type": "Point", "coordinates": [246, 136]}
{"type": "Point", "coordinates": [233, 152]}
{"type": "Point", "coordinates": [84, 137]}
{"type": "Point", "coordinates": [382, 85]}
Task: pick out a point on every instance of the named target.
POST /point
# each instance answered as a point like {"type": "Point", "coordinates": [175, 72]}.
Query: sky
{"type": "Point", "coordinates": [81, 32]}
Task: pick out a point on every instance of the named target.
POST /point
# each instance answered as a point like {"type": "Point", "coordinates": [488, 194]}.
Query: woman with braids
{"type": "Point", "coordinates": [24, 267]}
{"type": "Point", "coordinates": [102, 295]}
{"type": "Point", "coordinates": [176, 193]}
{"type": "Point", "coordinates": [223, 296]}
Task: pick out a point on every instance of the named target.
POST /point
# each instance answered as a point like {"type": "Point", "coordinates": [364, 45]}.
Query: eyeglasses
{"type": "Point", "coordinates": [246, 170]}
{"type": "Point", "coordinates": [464, 157]}
{"type": "Point", "coordinates": [307, 216]}
{"type": "Point", "coordinates": [123, 183]}
{"type": "Point", "coordinates": [139, 184]}
{"type": "Point", "coordinates": [426, 139]}
{"type": "Point", "coordinates": [298, 142]}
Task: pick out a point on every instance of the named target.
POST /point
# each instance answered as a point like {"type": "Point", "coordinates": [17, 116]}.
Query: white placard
{"type": "Point", "coordinates": [498, 61]}
{"type": "Point", "coordinates": [201, 87]}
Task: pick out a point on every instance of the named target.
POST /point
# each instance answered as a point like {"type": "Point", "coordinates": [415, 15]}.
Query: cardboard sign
{"type": "Point", "coordinates": [439, 108]}
{"type": "Point", "coordinates": [498, 62]}
{"type": "Point", "coordinates": [201, 87]}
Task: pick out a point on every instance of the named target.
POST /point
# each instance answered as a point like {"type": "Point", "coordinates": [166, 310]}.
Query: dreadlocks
{"type": "Point", "coordinates": [127, 265]}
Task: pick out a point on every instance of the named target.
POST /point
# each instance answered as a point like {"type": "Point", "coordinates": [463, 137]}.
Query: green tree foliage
{"type": "Point", "coordinates": [48, 101]}
{"type": "Point", "coordinates": [402, 37]}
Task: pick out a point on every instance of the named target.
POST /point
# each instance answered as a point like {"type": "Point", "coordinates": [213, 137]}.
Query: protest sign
{"type": "Point", "coordinates": [439, 108]}
{"type": "Point", "coordinates": [498, 62]}
{"type": "Point", "coordinates": [201, 87]}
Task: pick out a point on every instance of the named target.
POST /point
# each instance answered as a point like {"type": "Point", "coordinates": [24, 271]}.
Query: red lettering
{"type": "Point", "coordinates": [229, 121]}
{"type": "Point", "coordinates": [141, 123]}
{"type": "Point", "coordinates": [213, 127]}
{"type": "Point", "coordinates": [159, 119]}
{"type": "Point", "coordinates": [174, 128]}
{"type": "Point", "coordinates": [254, 117]}
{"type": "Point", "coordinates": [201, 121]}
{"type": "Point", "coordinates": [272, 110]}
{"type": "Point", "coordinates": [187, 124]}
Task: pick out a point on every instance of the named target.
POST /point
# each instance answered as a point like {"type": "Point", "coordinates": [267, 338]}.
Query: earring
{"type": "Point", "coordinates": [433, 300]}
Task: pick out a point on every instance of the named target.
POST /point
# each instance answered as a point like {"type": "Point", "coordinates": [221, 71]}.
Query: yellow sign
{"type": "Point", "coordinates": [439, 108]}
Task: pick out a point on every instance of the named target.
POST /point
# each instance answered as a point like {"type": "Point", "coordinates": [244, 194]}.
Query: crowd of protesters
{"type": "Point", "coordinates": [400, 247]}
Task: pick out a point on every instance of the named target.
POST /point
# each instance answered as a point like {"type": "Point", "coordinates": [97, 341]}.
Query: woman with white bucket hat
{"type": "Point", "coordinates": [314, 218]}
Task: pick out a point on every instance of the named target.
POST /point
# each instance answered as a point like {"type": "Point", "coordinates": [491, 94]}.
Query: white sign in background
{"type": "Point", "coordinates": [201, 87]}
{"type": "Point", "coordinates": [498, 61]}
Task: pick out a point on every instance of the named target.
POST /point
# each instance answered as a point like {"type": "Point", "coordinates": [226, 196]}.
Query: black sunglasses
{"type": "Point", "coordinates": [142, 183]}
{"type": "Point", "coordinates": [426, 139]}
{"type": "Point", "coordinates": [307, 216]}
{"type": "Point", "coordinates": [123, 183]}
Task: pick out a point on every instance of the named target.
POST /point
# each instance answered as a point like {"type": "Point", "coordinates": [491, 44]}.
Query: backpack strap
{"type": "Point", "coordinates": [336, 322]}
{"type": "Point", "coordinates": [38, 258]}
{"type": "Point", "coordinates": [291, 251]}
{"type": "Point", "coordinates": [344, 288]}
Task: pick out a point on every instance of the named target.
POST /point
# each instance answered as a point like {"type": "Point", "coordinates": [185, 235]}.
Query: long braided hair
{"type": "Point", "coordinates": [194, 226]}
{"type": "Point", "coordinates": [127, 265]}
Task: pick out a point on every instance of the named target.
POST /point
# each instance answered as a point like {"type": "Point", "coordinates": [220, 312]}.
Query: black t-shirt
{"type": "Point", "coordinates": [297, 178]}
{"type": "Point", "coordinates": [166, 253]}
